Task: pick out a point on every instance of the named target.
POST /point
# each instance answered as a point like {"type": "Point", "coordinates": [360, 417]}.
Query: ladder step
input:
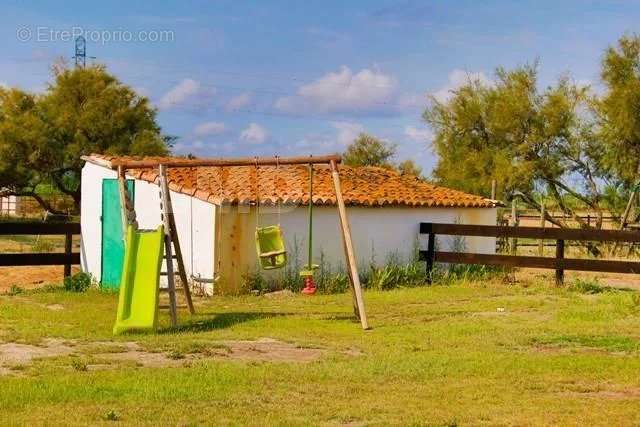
{"type": "Point", "coordinates": [164, 273]}
{"type": "Point", "coordinates": [166, 290]}
{"type": "Point", "coordinates": [166, 306]}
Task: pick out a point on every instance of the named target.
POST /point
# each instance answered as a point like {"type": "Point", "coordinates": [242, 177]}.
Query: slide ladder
{"type": "Point", "coordinates": [171, 245]}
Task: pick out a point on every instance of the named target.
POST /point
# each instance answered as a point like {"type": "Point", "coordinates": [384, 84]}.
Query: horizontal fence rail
{"type": "Point", "coordinates": [38, 228]}
{"type": "Point", "coordinates": [530, 232]}
{"type": "Point", "coordinates": [558, 263]}
{"type": "Point", "coordinates": [66, 258]}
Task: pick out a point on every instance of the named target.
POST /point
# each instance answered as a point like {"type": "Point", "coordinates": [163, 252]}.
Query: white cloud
{"type": "Point", "coordinates": [187, 92]}
{"type": "Point", "coordinates": [208, 129]}
{"type": "Point", "coordinates": [457, 79]}
{"type": "Point", "coordinates": [4, 85]}
{"type": "Point", "coordinates": [238, 102]}
{"type": "Point", "coordinates": [344, 91]}
{"type": "Point", "coordinates": [418, 134]}
{"type": "Point", "coordinates": [255, 134]}
{"type": "Point", "coordinates": [347, 131]}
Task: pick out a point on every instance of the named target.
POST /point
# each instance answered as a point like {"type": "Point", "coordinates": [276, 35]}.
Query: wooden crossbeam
{"type": "Point", "coordinates": [230, 161]}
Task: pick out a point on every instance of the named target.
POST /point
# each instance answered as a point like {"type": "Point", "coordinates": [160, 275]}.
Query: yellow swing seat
{"type": "Point", "coordinates": [270, 247]}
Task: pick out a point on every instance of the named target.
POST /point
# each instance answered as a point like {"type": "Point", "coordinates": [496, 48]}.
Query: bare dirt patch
{"type": "Point", "coordinates": [353, 352]}
{"type": "Point", "coordinates": [110, 355]}
{"type": "Point", "coordinates": [270, 350]}
{"type": "Point", "coordinates": [12, 354]}
{"type": "Point", "coordinates": [615, 280]}
{"type": "Point", "coordinates": [142, 358]}
{"type": "Point", "coordinates": [31, 277]}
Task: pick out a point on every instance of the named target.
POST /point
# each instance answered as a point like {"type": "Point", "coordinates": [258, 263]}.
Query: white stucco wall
{"type": "Point", "coordinates": [194, 222]}
{"type": "Point", "coordinates": [378, 233]}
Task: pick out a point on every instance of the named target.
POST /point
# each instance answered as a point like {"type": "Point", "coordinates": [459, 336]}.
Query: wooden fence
{"type": "Point", "coordinates": [66, 258]}
{"type": "Point", "coordinates": [558, 263]}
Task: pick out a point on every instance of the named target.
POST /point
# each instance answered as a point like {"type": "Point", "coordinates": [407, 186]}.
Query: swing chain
{"type": "Point", "coordinates": [255, 159]}
{"type": "Point", "coordinates": [278, 198]}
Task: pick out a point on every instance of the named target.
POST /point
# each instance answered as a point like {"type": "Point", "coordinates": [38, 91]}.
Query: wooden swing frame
{"type": "Point", "coordinates": [331, 160]}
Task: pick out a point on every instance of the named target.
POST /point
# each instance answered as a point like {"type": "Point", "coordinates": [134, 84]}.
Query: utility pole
{"type": "Point", "coordinates": [81, 52]}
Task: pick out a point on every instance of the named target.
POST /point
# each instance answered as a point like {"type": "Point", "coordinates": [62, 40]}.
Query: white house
{"type": "Point", "coordinates": [216, 215]}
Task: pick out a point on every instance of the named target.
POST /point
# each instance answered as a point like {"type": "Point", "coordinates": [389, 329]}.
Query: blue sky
{"type": "Point", "coordinates": [265, 78]}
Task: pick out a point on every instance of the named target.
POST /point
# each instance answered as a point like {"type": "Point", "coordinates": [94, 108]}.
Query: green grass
{"type": "Point", "coordinates": [436, 355]}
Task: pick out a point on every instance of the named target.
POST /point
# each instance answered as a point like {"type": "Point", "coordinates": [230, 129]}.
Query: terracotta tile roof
{"type": "Point", "coordinates": [364, 186]}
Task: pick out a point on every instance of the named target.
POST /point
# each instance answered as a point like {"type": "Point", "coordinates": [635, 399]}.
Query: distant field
{"type": "Point", "coordinates": [466, 354]}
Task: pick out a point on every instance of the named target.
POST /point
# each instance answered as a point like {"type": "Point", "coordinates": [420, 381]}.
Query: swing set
{"type": "Point", "coordinates": [140, 282]}
{"type": "Point", "coordinates": [270, 244]}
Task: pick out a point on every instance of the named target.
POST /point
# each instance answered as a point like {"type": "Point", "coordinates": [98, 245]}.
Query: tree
{"type": "Point", "coordinates": [409, 167]}
{"type": "Point", "coordinates": [526, 139]}
{"type": "Point", "coordinates": [368, 150]}
{"type": "Point", "coordinates": [83, 111]}
{"type": "Point", "coordinates": [22, 141]}
{"type": "Point", "coordinates": [617, 110]}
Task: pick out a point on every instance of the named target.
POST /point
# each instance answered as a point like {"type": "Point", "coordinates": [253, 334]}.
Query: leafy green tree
{"type": "Point", "coordinates": [23, 145]}
{"type": "Point", "coordinates": [409, 167]}
{"type": "Point", "coordinates": [618, 110]}
{"type": "Point", "coordinates": [368, 150]}
{"type": "Point", "coordinates": [83, 111]}
{"type": "Point", "coordinates": [528, 140]}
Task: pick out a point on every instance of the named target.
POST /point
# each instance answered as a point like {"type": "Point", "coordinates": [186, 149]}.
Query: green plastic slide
{"type": "Point", "coordinates": [139, 292]}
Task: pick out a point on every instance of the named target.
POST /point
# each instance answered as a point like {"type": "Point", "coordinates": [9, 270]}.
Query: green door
{"type": "Point", "coordinates": [112, 235]}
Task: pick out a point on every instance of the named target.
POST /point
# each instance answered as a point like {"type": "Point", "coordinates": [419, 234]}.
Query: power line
{"type": "Point", "coordinates": [302, 81]}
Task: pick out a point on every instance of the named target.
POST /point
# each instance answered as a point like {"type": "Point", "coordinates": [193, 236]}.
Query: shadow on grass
{"type": "Point", "coordinates": [226, 320]}
{"type": "Point", "coordinates": [338, 317]}
{"type": "Point", "coordinates": [221, 321]}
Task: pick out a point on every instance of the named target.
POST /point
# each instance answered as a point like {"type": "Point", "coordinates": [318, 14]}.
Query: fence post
{"type": "Point", "coordinates": [542, 225]}
{"type": "Point", "coordinates": [514, 223]}
{"type": "Point", "coordinates": [68, 239]}
{"type": "Point", "coordinates": [559, 256]}
{"type": "Point", "coordinates": [431, 255]}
